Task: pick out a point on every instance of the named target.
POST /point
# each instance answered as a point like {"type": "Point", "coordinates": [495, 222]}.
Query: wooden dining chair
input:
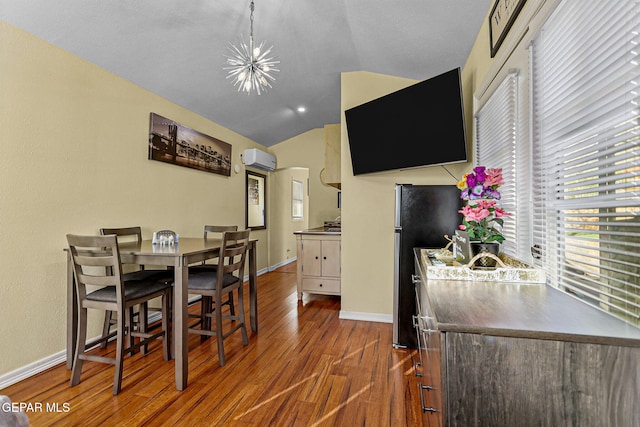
{"type": "Point", "coordinates": [96, 262]}
{"type": "Point", "coordinates": [217, 231]}
{"type": "Point", "coordinates": [134, 272]}
{"type": "Point", "coordinates": [227, 278]}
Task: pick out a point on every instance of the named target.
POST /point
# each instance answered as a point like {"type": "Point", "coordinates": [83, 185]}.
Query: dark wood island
{"type": "Point", "coordinates": [512, 354]}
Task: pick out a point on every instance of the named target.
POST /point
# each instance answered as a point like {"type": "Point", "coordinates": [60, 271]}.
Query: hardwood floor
{"type": "Point", "coordinates": [305, 367]}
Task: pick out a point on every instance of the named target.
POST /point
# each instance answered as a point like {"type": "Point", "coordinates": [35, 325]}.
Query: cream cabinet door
{"type": "Point", "coordinates": [311, 257]}
{"type": "Point", "coordinates": [331, 258]}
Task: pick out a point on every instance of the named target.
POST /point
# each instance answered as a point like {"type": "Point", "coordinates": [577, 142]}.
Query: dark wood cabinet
{"type": "Point", "coordinates": [427, 359]}
{"type": "Point", "coordinates": [536, 382]}
{"type": "Point", "coordinates": [507, 354]}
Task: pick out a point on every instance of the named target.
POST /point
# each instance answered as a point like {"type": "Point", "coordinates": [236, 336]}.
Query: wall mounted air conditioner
{"type": "Point", "coordinates": [259, 159]}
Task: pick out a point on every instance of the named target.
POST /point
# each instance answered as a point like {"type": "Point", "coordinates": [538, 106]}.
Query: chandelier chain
{"type": "Point", "coordinates": [252, 7]}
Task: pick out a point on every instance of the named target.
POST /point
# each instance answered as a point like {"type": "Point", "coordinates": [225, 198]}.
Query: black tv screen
{"type": "Point", "coordinates": [420, 125]}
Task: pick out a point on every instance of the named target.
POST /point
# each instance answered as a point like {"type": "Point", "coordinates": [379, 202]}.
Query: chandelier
{"type": "Point", "coordinates": [250, 66]}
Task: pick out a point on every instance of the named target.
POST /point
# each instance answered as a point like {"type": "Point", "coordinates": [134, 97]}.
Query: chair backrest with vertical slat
{"type": "Point", "coordinates": [218, 229]}
{"type": "Point", "coordinates": [96, 261]}
{"type": "Point", "coordinates": [126, 235]}
{"type": "Point", "coordinates": [234, 251]}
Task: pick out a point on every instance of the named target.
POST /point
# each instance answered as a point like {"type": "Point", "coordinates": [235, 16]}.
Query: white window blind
{"type": "Point", "coordinates": [297, 199]}
{"type": "Point", "coordinates": [587, 155]}
{"type": "Point", "coordinates": [496, 129]}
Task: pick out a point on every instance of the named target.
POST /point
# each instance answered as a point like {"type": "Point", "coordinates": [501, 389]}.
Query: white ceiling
{"type": "Point", "coordinates": [176, 48]}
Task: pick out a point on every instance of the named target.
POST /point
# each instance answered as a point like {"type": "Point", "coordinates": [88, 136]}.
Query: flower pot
{"type": "Point", "coordinates": [484, 248]}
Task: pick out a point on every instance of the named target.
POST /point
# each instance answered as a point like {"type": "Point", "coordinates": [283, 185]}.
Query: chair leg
{"type": "Point", "coordinates": [166, 309]}
{"type": "Point", "coordinates": [128, 322]}
{"type": "Point", "coordinates": [243, 324]}
{"type": "Point", "coordinates": [219, 334]}
{"type": "Point", "coordinates": [106, 327]}
{"type": "Point", "coordinates": [170, 302]}
{"type": "Point", "coordinates": [143, 323]}
{"type": "Point", "coordinates": [232, 308]}
{"type": "Point", "coordinates": [205, 316]}
{"type": "Point", "coordinates": [120, 350]}
{"type": "Point", "coordinates": [81, 341]}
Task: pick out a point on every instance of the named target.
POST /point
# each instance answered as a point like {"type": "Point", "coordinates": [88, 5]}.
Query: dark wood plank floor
{"type": "Point", "coordinates": [305, 367]}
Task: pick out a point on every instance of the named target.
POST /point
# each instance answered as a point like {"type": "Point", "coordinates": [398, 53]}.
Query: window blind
{"type": "Point", "coordinates": [297, 199]}
{"type": "Point", "coordinates": [586, 167]}
{"type": "Point", "coordinates": [496, 126]}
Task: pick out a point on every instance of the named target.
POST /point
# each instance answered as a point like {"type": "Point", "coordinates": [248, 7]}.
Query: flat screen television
{"type": "Point", "coordinates": [420, 125]}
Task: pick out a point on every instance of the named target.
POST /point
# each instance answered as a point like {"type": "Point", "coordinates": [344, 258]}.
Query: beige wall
{"type": "Point", "coordinates": [368, 203]}
{"type": "Point", "coordinates": [473, 73]}
{"type": "Point", "coordinates": [307, 150]}
{"type": "Point", "coordinates": [282, 241]}
{"type": "Point", "coordinates": [73, 158]}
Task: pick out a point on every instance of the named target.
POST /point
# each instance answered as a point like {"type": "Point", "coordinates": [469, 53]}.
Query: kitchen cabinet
{"type": "Point", "coordinates": [427, 362]}
{"type": "Point", "coordinates": [318, 262]}
{"type": "Point", "coordinates": [521, 354]}
{"type": "Point", "coordinates": [332, 157]}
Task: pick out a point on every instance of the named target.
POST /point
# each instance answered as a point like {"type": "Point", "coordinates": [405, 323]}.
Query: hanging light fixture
{"type": "Point", "coordinates": [250, 66]}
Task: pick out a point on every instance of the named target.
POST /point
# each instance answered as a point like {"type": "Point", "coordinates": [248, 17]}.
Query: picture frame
{"type": "Point", "coordinates": [461, 247]}
{"type": "Point", "coordinates": [256, 201]}
{"type": "Point", "coordinates": [170, 142]}
{"type": "Point", "coordinates": [501, 19]}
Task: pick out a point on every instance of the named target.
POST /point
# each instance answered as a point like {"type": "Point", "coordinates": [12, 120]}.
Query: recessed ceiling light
{"type": "Point", "coordinates": [302, 109]}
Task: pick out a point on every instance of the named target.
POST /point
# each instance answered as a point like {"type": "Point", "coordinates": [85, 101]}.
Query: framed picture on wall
{"type": "Point", "coordinates": [173, 143]}
{"type": "Point", "coordinates": [502, 16]}
{"type": "Point", "coordinates": [256, 201]}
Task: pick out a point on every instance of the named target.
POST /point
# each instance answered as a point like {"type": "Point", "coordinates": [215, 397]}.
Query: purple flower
{"type": "Point", "coordinates": [471, 180]}
{"type": "Point", "coordinates": [479, 171]}
{"type": "Point", "coordinates": [492, 194]}
{"type": "Point", "coordinates": [477, 190]}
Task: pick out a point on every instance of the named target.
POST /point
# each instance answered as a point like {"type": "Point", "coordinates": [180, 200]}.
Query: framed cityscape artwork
{"type": "Point", "coordinates": [170, 142]}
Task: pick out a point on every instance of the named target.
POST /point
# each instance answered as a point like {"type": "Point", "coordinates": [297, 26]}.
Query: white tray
{"type": "Point", "coordinates": [511, 270]}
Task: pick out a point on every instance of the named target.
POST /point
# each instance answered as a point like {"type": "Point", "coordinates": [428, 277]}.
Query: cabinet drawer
{"type": "Point", "coordinates": [321, 285]}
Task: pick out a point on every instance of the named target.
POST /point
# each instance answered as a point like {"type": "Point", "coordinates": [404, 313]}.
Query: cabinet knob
{"type": "Point", "coordinates": [316, 257]}
{"type": "Point", "coordinates": [324, 257]}
{"type": "Point", "coordinates": [320, 284]}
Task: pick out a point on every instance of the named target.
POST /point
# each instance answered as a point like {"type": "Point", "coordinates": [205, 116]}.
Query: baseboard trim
{"type": "Point", "coordinates": [55, 359]}
{"type": "Point", "coordinates": [32, 369]}
{"type": "Point", "coordinates": [366, 317]}
{"type": "Point", "coordinates": [282, 264]}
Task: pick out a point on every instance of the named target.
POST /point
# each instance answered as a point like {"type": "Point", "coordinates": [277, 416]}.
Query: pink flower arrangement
{"type": "Point", "coordinates": [483, 220]}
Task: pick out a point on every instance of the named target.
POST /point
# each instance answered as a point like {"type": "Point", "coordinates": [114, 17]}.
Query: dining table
{"type": "Point", "coordinates": [178, 256]}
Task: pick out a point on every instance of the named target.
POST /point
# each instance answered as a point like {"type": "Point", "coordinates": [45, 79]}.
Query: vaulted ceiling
{"type": "Point", "coordinates": [176, 49]}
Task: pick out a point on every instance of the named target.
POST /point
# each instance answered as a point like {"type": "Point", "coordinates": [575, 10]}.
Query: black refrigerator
{"type": "Point", "coordinates": [424, 214]}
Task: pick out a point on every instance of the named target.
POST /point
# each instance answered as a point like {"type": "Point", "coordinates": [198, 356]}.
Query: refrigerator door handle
{"type": "Point", "coordinates": [396, 286]}
{"type": "Point", "coordinates": [398, 205]}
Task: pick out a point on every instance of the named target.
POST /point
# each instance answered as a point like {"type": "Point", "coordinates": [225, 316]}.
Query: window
{"type": "Point", "coordinates": [586, 152]}
{"type": "Point", "coordinates": [496, 126]}
{"type": "Point", "coordinates": [297, 199]}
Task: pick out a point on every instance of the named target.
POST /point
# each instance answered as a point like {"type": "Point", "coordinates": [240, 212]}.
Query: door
{"type": "Point", "coordinates": [312, 257]}
{"type": "Point", "coordinates": [330, 258]}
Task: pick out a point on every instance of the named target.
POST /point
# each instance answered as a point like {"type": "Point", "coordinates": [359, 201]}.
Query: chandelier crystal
{"type": "Point", "coordinates": [250, 66]}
